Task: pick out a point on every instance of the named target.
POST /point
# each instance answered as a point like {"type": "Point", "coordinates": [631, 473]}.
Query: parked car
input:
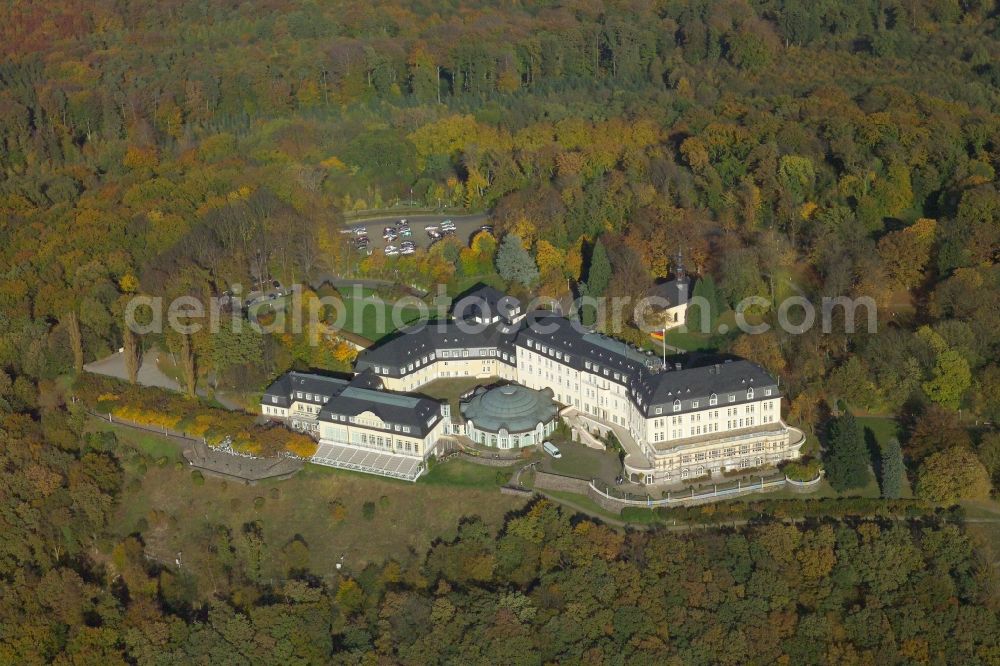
{"type": "Point", "coordinates": [389, 234]}
{"type": "Point", "coordinates": [407, 250]}
{"type": "Point", "coordinates": [488, 228]}
{"type": "Point", "coordinates": [402, 222]}
{"type": "Point", "coordinates": [551, 449]}
{"type": "Point", "coordinates": [391, 250]}
{"type": "Point", "coordinates": [447, 224]}
{"type": "Point", "coordinates": [430, 227]}
{"type": "Point", "coordinates": [360, 230]}
{"type": "Point", "coordinates": [447, 232]}
{"type": "Point", "coordinates": [406, 244]}
{"type": "Point", "coordinates": [405, 231]}
{"type": "Point", "coordinates": [434, 234]}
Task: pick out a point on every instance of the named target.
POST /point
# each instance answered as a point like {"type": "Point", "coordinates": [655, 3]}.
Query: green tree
{"type": "Point", "coordinates": [514, 264]}
{"type": "Point", "coordinates": [989, 454]}
{"type": "Point", "coordinates": [705, 295]}
{"type": "Point", "coordinates": [892, 469]}
{"type": "Point", "coordinates": [950, 381]}
{"type": "Point", "coordinates": [599, 271]}
{"type": "Point", "coordinates": [846, 459]}
{"type": "Point", "coordinates": [952, 475]}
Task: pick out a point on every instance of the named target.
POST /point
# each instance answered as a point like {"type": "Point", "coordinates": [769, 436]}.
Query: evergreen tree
{"type": "Point", "coordinates": [846, 458]}
{"type": "Point", "coordinates": [599, 271]}
{"type": "Point", "coordinates": [892, 470]}
{"type": "Point", "coordinates": [514, 264]}
{"type": "Point", "coordinates": [706, 295]}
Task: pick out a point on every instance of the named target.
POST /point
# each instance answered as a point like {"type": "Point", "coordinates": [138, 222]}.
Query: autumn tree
{"type": "Point", "coordinates": [934, 430]}
{"type": "Point", "coordinates": [951, 475]}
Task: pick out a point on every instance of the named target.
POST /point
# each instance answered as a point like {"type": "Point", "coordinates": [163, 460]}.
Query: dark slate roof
{"type": "Point", "coordinates": [420, 414]}
{"type": "Point", "coordinates": [424, 341]}
{"type": "Point", "coordinates": [729, 380]}
{"type": "Point", "coordinates": [485, 302]}
{"type": "Point", "coordinates": [316, 386]}
{"type": "Point", "coordinates": [549, 333]}
{"type": "Point", "coordinates": [511, 407]}
{"type": "Point", "coordinates": [675, 292]}
{"type": "Point", "coordinates": [650, 385]}
{"type": "Point", "coordinates": [362, 393]}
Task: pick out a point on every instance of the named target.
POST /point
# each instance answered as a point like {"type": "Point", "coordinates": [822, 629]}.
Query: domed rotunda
{"type": "Point", "coordinates": [510, 416]}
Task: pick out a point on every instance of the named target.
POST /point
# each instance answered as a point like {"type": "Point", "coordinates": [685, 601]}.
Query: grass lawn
{"type": "Point", "coordinates": [694, 340]}
{"type": "Point", "coordinates": [321, 506]}
{"type": "Point", "coordinates": [461, 473]}
{"type": "Point", "coordinates": [368, 315]}
{"type": "Point", "coordinates": [148, 444]}
{"type": "Point", "coordinates": [981, 515]}
{"type": "Point", "coordinates": [878, 431]}
{"type": "Point", "coordinates": [585, 504]}
{"type": "Point", "coordinates": [452, 388]}
{"type": "Point", "coordinates": [463, 284]}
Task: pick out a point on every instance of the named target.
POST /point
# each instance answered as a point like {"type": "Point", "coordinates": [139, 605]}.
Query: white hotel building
{"type": "Point", "coordinates": [676, 423]}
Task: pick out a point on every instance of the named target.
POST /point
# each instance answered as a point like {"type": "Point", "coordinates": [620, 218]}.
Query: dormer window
{"type": "Point", "coordinates": [677, 405]}
{"type": "Point", "coordinates": [750, 394]}
{"type": "Point", "coordinates": [713, 399]}
{"type": "Point", "coordinates": [767, 391]}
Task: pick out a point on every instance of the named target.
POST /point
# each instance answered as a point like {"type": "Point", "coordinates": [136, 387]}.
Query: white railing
{"type": "Point", "coordinates": [680, 498]}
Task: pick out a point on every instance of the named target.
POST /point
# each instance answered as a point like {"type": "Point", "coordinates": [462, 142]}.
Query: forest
{"type": "Point", "coordinates": [547, 588]}
{"type": "Point", "coordinates": [782, 147]}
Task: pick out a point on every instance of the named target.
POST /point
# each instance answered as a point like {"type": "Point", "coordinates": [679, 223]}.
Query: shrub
{"type": "Point", "coordinates": [801, 470]}
{"type": "Point", "coordinates": [383, 502]}
{"type": "Point", "coordinates": [258, 502]}
{"type": "Point", "coordinates": [275, 493]}
{"type": "Point", "coordinates": [368, 510]}
{"type": "Point", "coordinates": [198, 478]}
{"type": "Point", "coordinates": [337, 510]}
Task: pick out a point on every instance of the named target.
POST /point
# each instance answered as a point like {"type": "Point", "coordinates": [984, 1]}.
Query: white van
{"type": "Point", "coordinates": [551, 449]}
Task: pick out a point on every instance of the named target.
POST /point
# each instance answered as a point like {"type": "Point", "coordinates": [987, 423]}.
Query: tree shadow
{"type": "Point", "coordinates": [874, 454]}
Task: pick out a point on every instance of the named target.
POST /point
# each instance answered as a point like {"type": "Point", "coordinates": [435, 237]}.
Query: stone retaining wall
{"type": "Point", "coordinates": [488, 461]}
{"type": "Point", "coordinates": [520, 492]}
{"type": "Point", "coordinates": [548, 481]}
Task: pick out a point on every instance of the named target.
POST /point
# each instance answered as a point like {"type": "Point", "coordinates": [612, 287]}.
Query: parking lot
{"type": "Point", "coordinates": [466, 227]}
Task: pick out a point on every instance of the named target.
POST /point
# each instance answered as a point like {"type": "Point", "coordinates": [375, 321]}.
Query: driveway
{"type": "Point", "coordinates": [465, 227]}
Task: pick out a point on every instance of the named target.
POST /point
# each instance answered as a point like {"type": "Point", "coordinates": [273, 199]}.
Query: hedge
{"type": "Point", "coordinates": [160, 408]}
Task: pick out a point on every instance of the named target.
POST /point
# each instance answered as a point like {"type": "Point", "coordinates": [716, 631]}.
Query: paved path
{"type": "Point", "coordinates": [149, 372]}
{"type": "Point", "coordinates": [150, 375]}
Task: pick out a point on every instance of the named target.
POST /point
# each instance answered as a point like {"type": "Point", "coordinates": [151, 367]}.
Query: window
{"type": "Point", "coordinates": [677, 405]}
{"type": "Point", "coordinates": [274, 399]}
{"type": "Point", "coordinates": [694, 404]}
{"type": "Point", "coordinates": [713, 399]}
{"type": "Point", "coordinates": [750, 394]}
{"type": "Point", "coordinates": [659, 410]}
